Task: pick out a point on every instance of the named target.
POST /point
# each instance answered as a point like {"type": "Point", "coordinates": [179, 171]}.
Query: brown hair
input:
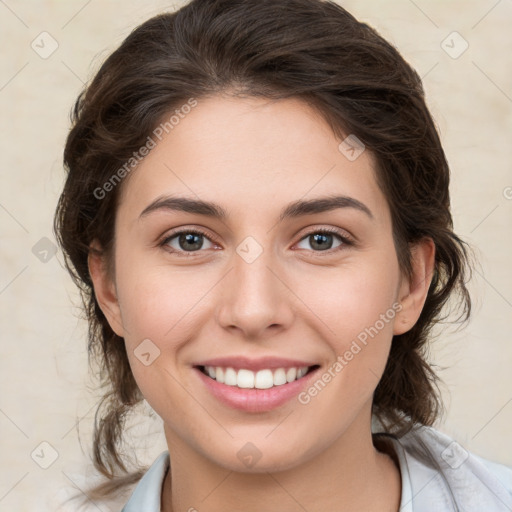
{"type": "Point", "coordinates": [309, 49]}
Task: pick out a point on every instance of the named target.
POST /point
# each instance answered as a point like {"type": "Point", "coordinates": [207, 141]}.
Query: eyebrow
{"type": "Point", "coordinates": [293, 210]}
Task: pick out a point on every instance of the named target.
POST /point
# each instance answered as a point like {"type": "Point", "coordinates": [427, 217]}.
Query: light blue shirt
{"type": "Point", "coordinates": [438, 475]}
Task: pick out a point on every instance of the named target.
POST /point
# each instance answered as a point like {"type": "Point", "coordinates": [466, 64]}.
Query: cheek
{"type": "Point", "coordinates": [354, 308]}
{"type": "Point", "coordinates": [347, 301]}
{"type": "Point", "coordinates": [357, 309]}
{"type": "Point", "coordinates": [162, 308]}
{"type": "Point", "coordinates": [157, 301]}
{"type": "Point", "coordinates": [159, 308]}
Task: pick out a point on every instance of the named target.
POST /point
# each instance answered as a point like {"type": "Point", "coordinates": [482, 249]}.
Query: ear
{"type": "Point", "coordinates": [104, 288]}
{"type": "Point", "coordinates": [413, 291]}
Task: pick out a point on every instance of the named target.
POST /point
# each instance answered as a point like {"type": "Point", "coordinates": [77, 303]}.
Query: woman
{"type": "Point", "coordinates": [257, 212]}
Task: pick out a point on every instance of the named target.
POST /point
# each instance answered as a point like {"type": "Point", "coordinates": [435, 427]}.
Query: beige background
{"type": "Point", "coordinates": [45, 392]}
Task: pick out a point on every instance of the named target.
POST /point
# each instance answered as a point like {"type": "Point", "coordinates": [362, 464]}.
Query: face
{"type": "Point", "coordinates": [283, 280]}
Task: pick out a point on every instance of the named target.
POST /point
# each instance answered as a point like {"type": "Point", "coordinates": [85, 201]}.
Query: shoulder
{"type": "Point", "coordinates": [442, 475]}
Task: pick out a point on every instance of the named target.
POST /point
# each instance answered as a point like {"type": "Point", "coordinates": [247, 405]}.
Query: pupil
{"type": "Point", "coordinates": [190, 241]}
{"type": "Point", "coordinates": [321, 240]}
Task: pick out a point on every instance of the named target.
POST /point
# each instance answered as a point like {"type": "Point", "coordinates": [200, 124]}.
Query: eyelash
{"type": "Point", "coordinates": [345, 241]}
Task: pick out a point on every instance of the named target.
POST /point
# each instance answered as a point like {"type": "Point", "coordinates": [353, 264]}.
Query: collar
{"type": "Point", "coordinates": [148, 493]}
{"type": "Point", "coordinates": [436, 473]}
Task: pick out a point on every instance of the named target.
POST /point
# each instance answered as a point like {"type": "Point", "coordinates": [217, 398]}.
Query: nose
{"type": "Point", "coordinates": [255, 300]}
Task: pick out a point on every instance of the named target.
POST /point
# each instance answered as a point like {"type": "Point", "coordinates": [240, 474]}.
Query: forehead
{"type": "Point", "coordinates": [251, 153]}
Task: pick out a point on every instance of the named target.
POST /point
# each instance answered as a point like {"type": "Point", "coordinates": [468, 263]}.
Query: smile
{"type": "Point", "coordinates": [254, 386]}
{"type": "Point", "coordinates": [248, 379]}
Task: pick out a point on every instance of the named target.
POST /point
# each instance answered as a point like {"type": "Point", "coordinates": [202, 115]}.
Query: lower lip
{"type": "Point", "coordinates": [255, 400]}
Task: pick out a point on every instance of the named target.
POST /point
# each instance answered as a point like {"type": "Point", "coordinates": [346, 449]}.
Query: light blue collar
{"type": "Point", "coordinates": [436, 472]}
{"type": "Point", "coordinates": [147, 495]}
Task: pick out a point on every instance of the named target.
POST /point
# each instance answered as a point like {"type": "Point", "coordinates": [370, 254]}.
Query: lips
{"type": "Point", "coordinates": [255, 385]}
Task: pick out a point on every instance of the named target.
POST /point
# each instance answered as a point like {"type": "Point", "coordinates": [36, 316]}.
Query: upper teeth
{"type": "Point", "coordinates": [263, 379]}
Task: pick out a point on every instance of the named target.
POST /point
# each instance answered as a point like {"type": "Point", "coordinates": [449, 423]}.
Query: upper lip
{"type": "Point", "coordinates": [241, 362]}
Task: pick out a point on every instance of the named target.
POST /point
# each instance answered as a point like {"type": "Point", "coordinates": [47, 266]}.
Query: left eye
{"type": "Point", "coordinates": [187, 241]}
{"type": "Point", "coordinates": [323, 240]}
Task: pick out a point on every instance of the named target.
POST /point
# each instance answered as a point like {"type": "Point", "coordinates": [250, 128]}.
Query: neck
{"type": "Point", "coordinates": [351, 474]}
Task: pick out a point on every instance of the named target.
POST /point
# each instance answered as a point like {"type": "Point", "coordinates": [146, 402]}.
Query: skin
{"type": "Point", "coordinates": [253, 157]}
